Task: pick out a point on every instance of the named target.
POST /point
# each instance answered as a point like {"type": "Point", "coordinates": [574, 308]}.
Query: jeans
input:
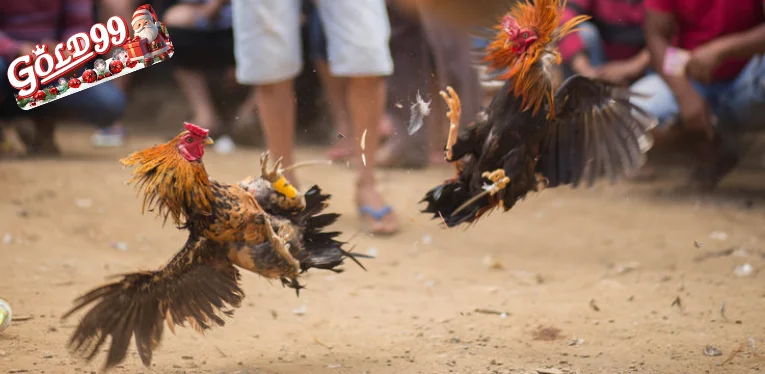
{"type": "Point", "coordinates": [101, 105]}
{"type": "Point", "coordinates": [738, 103]}
{"type": "Point", "coordinates": [593, 45]}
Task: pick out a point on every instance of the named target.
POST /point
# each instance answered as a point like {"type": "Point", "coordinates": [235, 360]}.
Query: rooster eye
{"type": "Point", "coordinates": [189, 140]}
{"type": "Point", "coordinates": [525, 35]}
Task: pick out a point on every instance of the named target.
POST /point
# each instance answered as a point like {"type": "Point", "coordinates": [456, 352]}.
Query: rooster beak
{"type": "Point", "coordinates": [507, 43]}
{"type": "Point", "coordinates": [209, 141]}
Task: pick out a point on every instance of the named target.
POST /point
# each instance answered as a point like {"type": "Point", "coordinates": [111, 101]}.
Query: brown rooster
{"type": "Point", "coordinates": [262, 224]}
{"type": "Point", "coordinates": [529, 137]}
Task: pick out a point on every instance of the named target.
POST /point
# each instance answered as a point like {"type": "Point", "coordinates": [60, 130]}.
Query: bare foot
{"type": "Point", "coordinates": [386, 126]}
{"type": "Point", "coordinates": [378, 217]}
{"type": "Point", "coordinates": [341, 151]}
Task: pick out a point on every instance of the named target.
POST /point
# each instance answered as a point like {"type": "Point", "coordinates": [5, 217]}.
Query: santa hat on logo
{"type": "Point", "coordinates": [144, 12]}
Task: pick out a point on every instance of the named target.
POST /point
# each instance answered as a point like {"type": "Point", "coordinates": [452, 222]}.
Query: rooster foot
{"type": "Point", "coordinates": [292, 283]}
{"type": "Point", "coordinates": [275, 173]}
{"type": "Point", "coordinates": [499, 179]}
{"type": "Point", "coordinates": [542, 182]}
{"type": "Point", "coordinates": [454, 113]}
{"type": "Point", "coordinates": [281, 246]}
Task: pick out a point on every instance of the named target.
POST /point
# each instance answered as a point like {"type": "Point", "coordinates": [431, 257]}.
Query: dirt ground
{"type": "Point", "coordinates": [607, 280]}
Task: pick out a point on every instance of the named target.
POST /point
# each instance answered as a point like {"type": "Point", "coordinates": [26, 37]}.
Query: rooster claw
{"type": "Point", "coordinates": [281, 246]}
{"type": "Point", "coordinates": [292, 283]}
{"type": "Point", "coordinates": [276, 170]}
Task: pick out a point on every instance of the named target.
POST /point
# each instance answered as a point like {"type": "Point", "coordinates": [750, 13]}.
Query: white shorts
{"type": "Point", "coordinates": [267, 43]}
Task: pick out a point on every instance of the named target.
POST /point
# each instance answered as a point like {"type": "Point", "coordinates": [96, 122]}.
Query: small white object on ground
{"type": "Point", "coordinates": [84, 203]}
{"type": "Point", "coordinates": [7, 239]}
{"type": "Point", "coordinates": [372, 252]}
{"type": "Point", "coordinates": [427, 239]}
{"type": "Point", "coordinates": [744, 270]}
{"type": "Point", "coordinates": [6, 315]}
{"type": "Point", "coordinates": [719, 235]}
{"type": "Point", "coordinates": [300, 311]}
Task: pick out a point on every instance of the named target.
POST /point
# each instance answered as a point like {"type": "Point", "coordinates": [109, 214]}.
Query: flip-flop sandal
{"type": "Point", "coordinates": [377, 215]}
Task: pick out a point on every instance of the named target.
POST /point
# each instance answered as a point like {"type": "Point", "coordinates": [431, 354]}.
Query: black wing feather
{"type": "Point", "coordinates": [596, 131]}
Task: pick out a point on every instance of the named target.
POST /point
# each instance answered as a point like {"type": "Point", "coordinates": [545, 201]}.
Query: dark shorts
{"type": "Point", "coordinates": [317, 41]}
{"type": "Point", "coordinates": [99, 105]}
{"type": "Point", "coordinates": [202, 49]}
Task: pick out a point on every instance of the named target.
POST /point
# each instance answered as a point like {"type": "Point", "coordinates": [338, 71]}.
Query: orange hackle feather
{"type": "Point", "coordinates": [170, 184]}
{"type": "Point", "coordinates": [532, 84]}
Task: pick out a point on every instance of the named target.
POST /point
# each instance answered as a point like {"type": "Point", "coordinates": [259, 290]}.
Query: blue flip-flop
{"type": "Point", "coordinates": [377, 215]}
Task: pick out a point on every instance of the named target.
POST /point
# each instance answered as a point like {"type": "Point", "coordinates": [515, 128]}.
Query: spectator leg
{"type": "Point", "coordinates": [194, 87]}
{"type": "Point", "coordinates": [453, 65]}
{"type": "Point", "coordinates": [409, 50]}
{"type": "Point", "coordinates": [358, 33]}
{"type": "Point", "coordinates": [102, 105]}
{"type": "Point", "coordinates": [742, 105]}
{"type": "Point", "coordinates": [335, 89]}
{"type": "Point", "coordinates": [661, 104]}
{"type": "Point", "coordinates": [276, 106]}
{"type": "Point", "coordinates": [268, 55]}
{"type": "Point", "coordinates": [43, 142]}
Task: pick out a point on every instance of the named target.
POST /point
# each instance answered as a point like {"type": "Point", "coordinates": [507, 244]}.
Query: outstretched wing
{"type": "Point", "coordinates": [198, 285]}
{"type": "Point", "coordinates": [596, 131]}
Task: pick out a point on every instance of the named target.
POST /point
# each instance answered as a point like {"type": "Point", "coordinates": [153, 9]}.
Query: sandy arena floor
{"type": "Point", "coordinates": [606, 280]}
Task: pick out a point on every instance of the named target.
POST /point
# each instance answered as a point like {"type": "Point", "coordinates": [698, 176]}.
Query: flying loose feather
{"type": "Point", "coordinates": [420, 109]}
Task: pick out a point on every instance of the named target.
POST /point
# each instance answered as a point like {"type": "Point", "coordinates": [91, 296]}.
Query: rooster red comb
{"type": "Point", "coordinates": [196, 130]}
{"type": "Point", "coordinates": [510, 26]}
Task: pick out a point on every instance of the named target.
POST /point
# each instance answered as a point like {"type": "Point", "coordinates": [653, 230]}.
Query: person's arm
{"type": "Point", "coordinates": [642, 60]}
{"type": "Point", "coordinates": [742, 45]}
{"type": "Point", "coordinates": [11, 48]}
{"type": "Point", "coordinates": [660, 27]}
{"type": "Point", "coordinates": [211, 8]}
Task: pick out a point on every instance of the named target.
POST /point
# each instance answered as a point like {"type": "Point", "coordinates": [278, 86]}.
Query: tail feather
{"type": "Point", "coordinates": [443, 200]}
{"type": "Point", "coordinates": [322, 249]}
{"type": "Point", "coordinates": [195, 288]}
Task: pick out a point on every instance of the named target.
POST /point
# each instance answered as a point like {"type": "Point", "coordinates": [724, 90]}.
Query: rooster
{"type": "Point", "coordinates": [264, 225]}
{"type": "Point", "coordinates": [530, 137]}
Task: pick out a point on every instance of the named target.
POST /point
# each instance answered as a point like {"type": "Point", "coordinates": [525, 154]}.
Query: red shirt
{"type": "Point", "coordinates": [35, 20]}
{"type": "Point", "coordinates": [620, 23]}
{"type": "Point", "coordinates": [700, 21]}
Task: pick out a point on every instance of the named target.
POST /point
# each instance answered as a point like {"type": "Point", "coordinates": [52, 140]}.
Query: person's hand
{"type": "Point", "coordinates": [617, 72]}
{"type": "Point", "coordinates": [703, 61]}
{"type": "Point", "coordinates": [52, 48]}
{"type": "Point", "coordinates": [26, 48]}
{"type": "Point", "coordinates": [581, 65]}
{"type": "Point", "coordinates": [695, 113]}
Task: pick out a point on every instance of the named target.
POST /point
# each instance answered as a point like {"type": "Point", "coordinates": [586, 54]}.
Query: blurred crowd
{"type": "Point", "coordinates": [374, 59]}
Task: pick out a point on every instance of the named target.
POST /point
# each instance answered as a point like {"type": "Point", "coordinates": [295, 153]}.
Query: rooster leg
{"type": "Point", "coordinates": [281, 247]}
{"type": "Point", "coordinates": [542, 182]}
{"type": "Point", "coordinates": [454, 113]}
{"type": "Point", "coordinates": [499, 179]}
